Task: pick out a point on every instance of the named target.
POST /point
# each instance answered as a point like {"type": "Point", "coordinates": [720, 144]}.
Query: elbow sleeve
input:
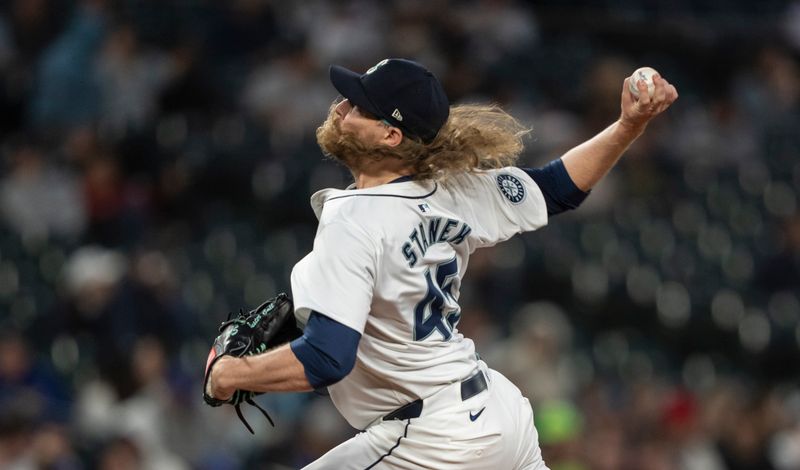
{"type": "Point", "coordinates": [560, 192]}
{"type": "Point", "coordinates": [327, 350]}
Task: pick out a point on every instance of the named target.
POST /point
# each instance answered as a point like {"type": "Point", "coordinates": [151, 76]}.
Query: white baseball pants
{"type": "Point", "coordinates": [492, 430]}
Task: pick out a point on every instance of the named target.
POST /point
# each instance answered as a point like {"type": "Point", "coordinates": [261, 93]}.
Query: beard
{"type": "Point", "coordinates": [344, 147]}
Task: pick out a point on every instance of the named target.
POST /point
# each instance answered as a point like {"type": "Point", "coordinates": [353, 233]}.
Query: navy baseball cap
{"type": "Point", "coordinates": [400, 91]}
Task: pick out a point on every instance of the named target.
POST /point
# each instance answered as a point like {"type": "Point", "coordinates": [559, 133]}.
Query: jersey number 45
{"type": "Point", "coordinates": [432, 313]}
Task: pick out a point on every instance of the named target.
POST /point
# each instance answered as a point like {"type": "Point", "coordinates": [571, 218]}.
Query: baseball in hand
{"type": "Point", "coordinates": [642, 74]}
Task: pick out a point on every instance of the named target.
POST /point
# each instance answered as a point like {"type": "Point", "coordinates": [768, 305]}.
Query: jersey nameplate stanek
{"type": "Point", "coordinates": [439, 230]}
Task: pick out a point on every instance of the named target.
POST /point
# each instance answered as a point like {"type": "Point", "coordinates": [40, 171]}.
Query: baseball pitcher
{"type": "Point", "coordinates": [378, 294]}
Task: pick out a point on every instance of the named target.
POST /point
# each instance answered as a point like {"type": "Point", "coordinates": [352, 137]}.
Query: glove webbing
{"type": "Point", "coordinates": [250, 401]}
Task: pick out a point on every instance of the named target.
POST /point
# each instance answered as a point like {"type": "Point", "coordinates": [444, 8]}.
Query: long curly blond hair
{"type": "Point", "coordinates": [475, 137]}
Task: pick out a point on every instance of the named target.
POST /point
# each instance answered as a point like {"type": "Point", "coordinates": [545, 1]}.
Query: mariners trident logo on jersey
{"type": "Point", "coordinates": [511, 188]}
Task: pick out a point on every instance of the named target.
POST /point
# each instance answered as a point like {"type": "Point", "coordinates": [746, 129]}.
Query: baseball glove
{"type": "Point", "coordinates": [271, 324]}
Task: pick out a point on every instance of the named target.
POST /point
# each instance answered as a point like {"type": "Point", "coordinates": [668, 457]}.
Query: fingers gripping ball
{"type": "Point", "coordinates": [644, 74]}
{"type": "Point", "coordinates": [267, 326]}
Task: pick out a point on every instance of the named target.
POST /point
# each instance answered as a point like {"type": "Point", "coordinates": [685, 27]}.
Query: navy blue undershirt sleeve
{"type": "Point", "coordinates": [560, 192]}
{"type": "Point", "coordinates": [327, 350]}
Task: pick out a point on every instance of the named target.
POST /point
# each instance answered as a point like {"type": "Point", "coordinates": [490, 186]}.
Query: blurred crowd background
{"type": "Point", "coordinates": [157, 157]}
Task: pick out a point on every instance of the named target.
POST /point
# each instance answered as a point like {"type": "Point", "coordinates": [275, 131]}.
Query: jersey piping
{"type": "Point", "coordinates": [435, 187]}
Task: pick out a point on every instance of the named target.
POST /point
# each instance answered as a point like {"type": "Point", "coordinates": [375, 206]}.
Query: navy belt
{"type": "Point", "coordinates": [469, 388]}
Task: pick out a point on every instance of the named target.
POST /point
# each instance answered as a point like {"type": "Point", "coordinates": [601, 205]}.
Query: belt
{"type": "Point", "coordinates": [469, 388]}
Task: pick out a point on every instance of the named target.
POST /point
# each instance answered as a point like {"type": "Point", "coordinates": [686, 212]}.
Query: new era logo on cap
{"type": "Point", "coordinates": [401, 91]}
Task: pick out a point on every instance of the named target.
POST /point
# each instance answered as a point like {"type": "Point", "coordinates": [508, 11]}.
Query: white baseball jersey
{"type": "Point", "coordinates": [388, 262]}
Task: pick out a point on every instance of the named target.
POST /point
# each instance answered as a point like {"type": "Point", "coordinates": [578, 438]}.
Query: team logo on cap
{"type": "Point", "coordinates": [377, 66]}
{"type": "Point", "coordinates": [511, 187]}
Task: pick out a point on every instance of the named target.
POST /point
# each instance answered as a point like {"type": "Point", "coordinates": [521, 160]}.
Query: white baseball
{"type": "Point", "coordinates": [642, 74]}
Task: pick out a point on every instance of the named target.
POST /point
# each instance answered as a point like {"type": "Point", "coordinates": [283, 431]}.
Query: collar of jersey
{"type": "Point", "coordinates": [404, 187]}
{"type": "Point", "coordinates": [402, 179]}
